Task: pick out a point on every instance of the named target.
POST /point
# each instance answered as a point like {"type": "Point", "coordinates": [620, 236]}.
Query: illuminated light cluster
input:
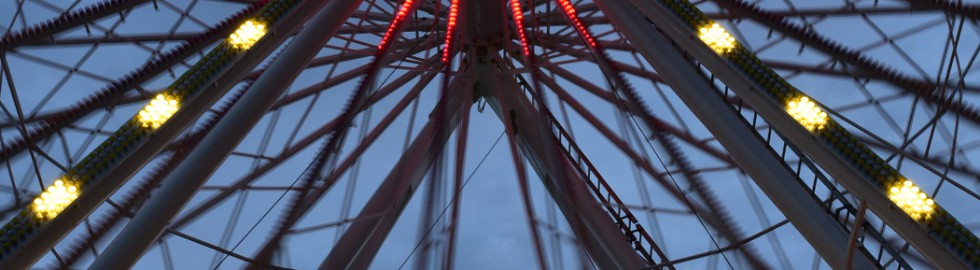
{"type": "Point", "coordinates": [396, 23]}
{"type": "Point", "coordinates": [450, 29]}
{"type": "Point", "coordinates": [573, 16]}
{"type": "Point", "coordinates": [515, 6]}
{"type": "Point", "coordinates": [22, 229]}
{"type": "Point", "coordinates": [54, 199]}
{"type": "Point", "coordinates": [903, 193]}
{"type": "Point", "coordinates": [717, 38]}
{"type": "Point", "coordinates": [158, 111]}
{"type": "Point", "coordinates": [807, 113]}
{"type": "Point", "coordinates": [247, 35]}
{"type": "Point", "coordinates": [912, 200]}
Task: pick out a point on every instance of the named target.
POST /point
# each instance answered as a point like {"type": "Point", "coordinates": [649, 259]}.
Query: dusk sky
{"type": "Point", "coordinates": [493, 230]}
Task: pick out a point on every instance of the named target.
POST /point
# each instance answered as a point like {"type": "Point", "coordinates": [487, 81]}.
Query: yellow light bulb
{"type": "Point", "coordinates": [807, 113]}
{"type": "Point", "coordinates": [246, 35]}
{"type": "Point", "coordinates": [717, 38]}
{"type": "Point", "coordinates": [54, 199]}
{"type": "Point", "coordinates": [910, 198]}
{"type": "Point", "coordinates": [160, 109]}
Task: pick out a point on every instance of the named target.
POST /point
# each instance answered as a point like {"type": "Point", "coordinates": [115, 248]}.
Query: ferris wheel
{"type": "Point", "coordinates": [420, 134]}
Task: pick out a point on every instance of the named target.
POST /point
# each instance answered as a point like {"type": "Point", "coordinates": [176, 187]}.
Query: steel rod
{"type": "Point", "coordinates": [836, 166]}
{"type": "Point", "coordinates": [313, 196]}
{"type": "Point", "coordinates": [929, 92]}
{"type": "Point", "coordinates": [66, 21]}
{"type": "Point", "coordinates": [116, 89]}
{"type": "Point", "coordinates": [752, 154]}
{"type": "Point", "coordinates": [246, 180]}
{"type": "Point", "coordinates": [358, 246]}
{"type": "Point", "coordinates": [600, 237]}
{"type": "Point", "coordinates": [111, 178]}
{"type": "Point", "coordinates": [187, 178]}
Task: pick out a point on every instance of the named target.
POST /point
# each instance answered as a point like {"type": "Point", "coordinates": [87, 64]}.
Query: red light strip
{"type": "Point", "coordinates": [573, 17]}
{"type": "Point", "coordinates": [450, 30]}
{"type": "Point", "coordinates": [396, 23]}
{"type": "Point", "coordinates": [515, 6]}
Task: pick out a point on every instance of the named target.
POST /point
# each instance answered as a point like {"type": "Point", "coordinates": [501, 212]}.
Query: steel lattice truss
{"type": "Point", "coordinates": [489, 134]}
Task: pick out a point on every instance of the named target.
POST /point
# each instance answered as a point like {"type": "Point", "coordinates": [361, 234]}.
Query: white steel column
{"type": "Point", "coordinates": [187, 178]}
{"type": "Point", "coordinates": [853, 180]}
{"type": "Point", "coordinates": [360, 243]}
{"type": "Point", "coordinates": [605, 243]}
{"type": "Point", "coordinates": [116, 176]}
{"type": "Point", "coordinates": [752, 154]}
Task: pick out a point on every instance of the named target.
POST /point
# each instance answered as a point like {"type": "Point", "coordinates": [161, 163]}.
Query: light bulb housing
{"type": "Point", "coordinates": [717, 38]}
{"type": "Point", "coordinates": [54, 199]}
{"type": "Point", "coordinates": [158, 111]}
{"type": "Point", "coordinates": [910, 198]}
{"type": "Point", "coordinates": [807, 113]}
{"type": "Point", "coordinates": [250, 32]}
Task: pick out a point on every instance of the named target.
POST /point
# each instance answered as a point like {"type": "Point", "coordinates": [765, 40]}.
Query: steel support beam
{"type": "Point", "coordinates": [663, 125]}
{"type": "Point", "coordinates": [139, 192]}
{"type": "Point", "coordinates": [702, 144]}
{"type": "Point", "coordinates": [97, 193]}
{"type": "Point", "coordinates": [711, 213]}
{"type": "Point", "coordinates": [820, 11]}
{"type": "Point", "coordinates": [176, 37]}
{"type": "Point", "coordinates": [604, 242]}
{"type": "Point", "coordinates": [752, 154]}
{"type": "Point", "coordinates": [970, 10]}
{"type": "Point", "coordinates": [351, 73]}
{"type": "Point", "coordinates": [319, 189]}
{"type": "Point", "coordinates": [936, 95]}
{"type": "Point", "coordinates": [245, 181]}
{"type": "Point", "coordinates": [111, 93]}
{"type": "Point", "coordinates": [360, 243]}
{"type": "Point", "coordinates": [65, 22]}
{"type": "Point", "coordinates": [189, 176]}
{"type": "Point", "coordinates": [132, 98]}
{"type": "Point", "coordinates": [847, 175]}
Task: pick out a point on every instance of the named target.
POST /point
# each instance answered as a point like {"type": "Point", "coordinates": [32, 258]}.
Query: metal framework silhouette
{"type": "Point", "coordinates": [863, 144]}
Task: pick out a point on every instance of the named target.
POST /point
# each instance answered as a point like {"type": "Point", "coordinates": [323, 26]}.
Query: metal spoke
{"type": "Point", "coordinates": [652, 126]}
